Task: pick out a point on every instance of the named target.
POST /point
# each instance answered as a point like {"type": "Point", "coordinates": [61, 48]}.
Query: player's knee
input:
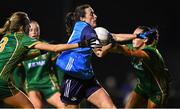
{"type": "Point", "coordinates": [37, 104]}
{"type": "Point", "coordinates": [109, 105]}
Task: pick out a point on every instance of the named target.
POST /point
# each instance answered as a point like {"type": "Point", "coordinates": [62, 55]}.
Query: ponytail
{"type": "Point", "coordinates": [69, 22]}
{"type": "Point", "coordinates": [72, 17]}
{"type": "Point", "coordinates": [5, 27]}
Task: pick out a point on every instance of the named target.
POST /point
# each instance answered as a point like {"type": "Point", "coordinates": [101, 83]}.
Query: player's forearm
{"type": "Point", "coordinates": [55, 47]}
{"type": "Point", "coordinates": [124, 50]}
{"type": "Point", "coordinates": [100, 52]}
{"type": "Point", "coordinates": [123, 37]}
{"type": "Point", "coordinates": [62, 47]}
{"type": "Point", "coordinates": [135, 53]}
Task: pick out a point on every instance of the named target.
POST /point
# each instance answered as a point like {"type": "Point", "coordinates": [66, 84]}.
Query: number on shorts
{"type": "Point", "coordinates": [3, 43]}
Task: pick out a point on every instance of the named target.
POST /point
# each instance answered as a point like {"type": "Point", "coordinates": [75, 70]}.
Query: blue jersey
{"type": "Point", "coordinates": [76, 62]}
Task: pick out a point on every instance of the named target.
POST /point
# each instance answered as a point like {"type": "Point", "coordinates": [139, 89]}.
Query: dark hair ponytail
{"type": "Point", "coordinates": [72, 17]}
{"type": "Point", "coordinates": [69, 22]}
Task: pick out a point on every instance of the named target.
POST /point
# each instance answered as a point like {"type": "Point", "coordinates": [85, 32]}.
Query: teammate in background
{"type": "Point", "coordinates": [152, 89]}
{"type": "Point", "coordinates": [41, 82]}
{"type": "Point", "coordinates": [14, 46]}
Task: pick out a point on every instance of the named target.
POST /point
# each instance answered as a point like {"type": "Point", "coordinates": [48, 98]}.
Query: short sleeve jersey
{"type": "Point", "coordinates": [151, 72]}
{"type": "Point", "coordinates": [13, 47]}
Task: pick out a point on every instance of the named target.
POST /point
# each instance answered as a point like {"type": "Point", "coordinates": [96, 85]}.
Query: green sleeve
{"type": "Point", "coordinates": [29, 42]}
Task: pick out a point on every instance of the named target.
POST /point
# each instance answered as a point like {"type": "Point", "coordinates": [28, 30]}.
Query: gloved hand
{"type": "Point", "coordinates": [111, 39]}
{"type": "Point", "coordinates": [147, 34]}
{"type": "Point", "coordinates": [93, 43]}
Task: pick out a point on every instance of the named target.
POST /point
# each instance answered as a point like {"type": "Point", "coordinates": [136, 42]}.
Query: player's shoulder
{"type": "Point", "coordinates": [80, 24]}
{"type": "Point", "coordinates": [151, 50]}
{"type": "Point", "coordinates": [130, 46]}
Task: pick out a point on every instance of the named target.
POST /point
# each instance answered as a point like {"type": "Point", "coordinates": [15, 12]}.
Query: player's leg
{"type": "Point", "coordinates": [72, 91]}
{"type": "Point", "coordinates": [19, 100]}
{"type": "Point", "coordinates": [55, 100]}
{"type": "Point", "coordinates": [158, 100]}
{"type": "Point", "coordinates": [72, 106]}
{"type": "Point", "coordinates": [51, 92]}
{"type": "Point", "coordinates": [135, 100]}
{"type": "Point", "coordinates": [35, 98]}
{"type": "Point", "coordinates": [101, 99]}
{"type": "Point", "coordinates": [97, 95]}
{"type": "Point", "coordinates": [152, 104]}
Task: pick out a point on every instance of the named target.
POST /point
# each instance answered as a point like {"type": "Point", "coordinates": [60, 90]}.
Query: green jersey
{"type": "Point", "coordinates": [19, 77]}
{"type": "Point", "coordinates": [151, 73]}
{"type": "Point", "coordinates": [13, 47]}
{"type": "Point", "coordinates": [38, 71]}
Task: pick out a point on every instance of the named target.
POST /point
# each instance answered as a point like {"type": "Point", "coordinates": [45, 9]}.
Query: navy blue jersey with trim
{"type": "Point", "coordinates": [76, 62]}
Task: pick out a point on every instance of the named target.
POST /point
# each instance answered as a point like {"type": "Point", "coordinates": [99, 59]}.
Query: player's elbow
{"type": "Point", "coordinates": [99, 56]}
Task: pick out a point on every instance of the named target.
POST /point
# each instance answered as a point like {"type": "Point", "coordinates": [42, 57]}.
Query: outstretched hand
{"type": "Point", "coordinates": [147, 34]}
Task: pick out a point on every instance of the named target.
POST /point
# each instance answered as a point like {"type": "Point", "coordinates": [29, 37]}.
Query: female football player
{"type": "Point", "coordinates": [153, 78]}
{"type": "Point", "coordinates": [79, 81]}
{"type": "Point", "coordinates": [14, 46]}
{"type": "Point", "coordinates": [41, 81]}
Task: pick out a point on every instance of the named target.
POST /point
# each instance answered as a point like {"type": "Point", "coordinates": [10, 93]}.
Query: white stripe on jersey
{"type": "Point", "coordinates": [67, 88]}
{"type": "Point", "coordinates": [70, 64]}
{"type": "Point", "coordinates": [71, 36]}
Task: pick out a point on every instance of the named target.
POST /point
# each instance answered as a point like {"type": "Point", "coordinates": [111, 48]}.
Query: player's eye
{"type": "Point", "coordinates": [92, 13]}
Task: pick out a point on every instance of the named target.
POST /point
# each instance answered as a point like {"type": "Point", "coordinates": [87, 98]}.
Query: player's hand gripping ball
{"type": "Point", "coordinates": [103, 35]}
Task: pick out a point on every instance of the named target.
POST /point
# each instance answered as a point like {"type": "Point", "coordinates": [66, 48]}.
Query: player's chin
{"type": "Point", "coordinates": [94, 24]}
{"type": "Point", "coordinates": [136, 45]}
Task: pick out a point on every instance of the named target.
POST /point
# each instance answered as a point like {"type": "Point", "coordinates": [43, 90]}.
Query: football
{"type": "Point", "coordinates": [103, 35]}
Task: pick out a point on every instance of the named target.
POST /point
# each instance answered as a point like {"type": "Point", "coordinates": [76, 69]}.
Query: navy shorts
{"type": "Point", "coordinates": [74, 90]}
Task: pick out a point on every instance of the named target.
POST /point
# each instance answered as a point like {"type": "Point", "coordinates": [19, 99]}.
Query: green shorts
{"type": "Point", "coordinates": [7, 89]}
{"type": "Point", "coordinates": [155, 96]}
{"type": "Point", "coordinates": [47, 90]}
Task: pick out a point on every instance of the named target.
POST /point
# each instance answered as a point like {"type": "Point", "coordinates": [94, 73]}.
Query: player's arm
{"type": "Point", "coordinates": [55, 47]}
{"type": "Point", "coordinates": [128, 52]}
{"type": "Point", "coordinates": [126, 37]}
{"type": "Point", "coordinates": [100, 52]}
{"type": "Point", "coordinates": [123, 37]}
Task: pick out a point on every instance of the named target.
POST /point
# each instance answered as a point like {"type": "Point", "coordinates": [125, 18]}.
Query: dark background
{"type": "Point", "coordinates": [118, 16]}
